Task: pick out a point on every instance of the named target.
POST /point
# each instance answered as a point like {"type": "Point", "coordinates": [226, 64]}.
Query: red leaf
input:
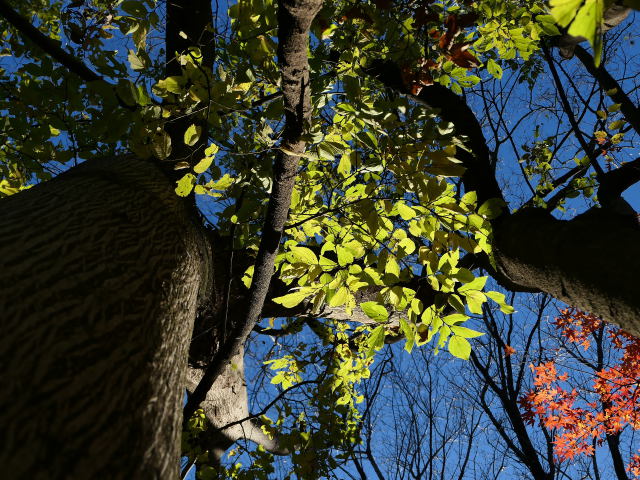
{"type": "Point", "coordinates": [452, 29]}
{"type": "Point", "coordinates": [357, 13]}
{"type": "Point", "coordinates": [415, 89]}
{"type": "Point", "coordinates": [462, 57]}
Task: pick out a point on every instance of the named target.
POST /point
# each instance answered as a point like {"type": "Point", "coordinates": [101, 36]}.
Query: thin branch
{"type": "Point", "coordinates": [630, 111]}
{"type": "Point", "coordinates": [566, 106]}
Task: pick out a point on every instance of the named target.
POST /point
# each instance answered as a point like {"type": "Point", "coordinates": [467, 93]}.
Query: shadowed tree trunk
{"type": "Point", "coordinates": [101, 271]}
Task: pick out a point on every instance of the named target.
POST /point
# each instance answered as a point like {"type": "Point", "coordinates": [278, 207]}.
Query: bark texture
{"type": "Point", "coordinates": [101, 269]}
{"type": "Point", "coordinates": [590, 262]}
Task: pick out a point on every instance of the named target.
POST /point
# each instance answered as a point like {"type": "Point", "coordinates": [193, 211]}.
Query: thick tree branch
{"type": "Point", "coordinates": [617, 181]}
{"type": "Point", "coordinates": [589, 262]}
{"type": "Point", "coordinates": [480, 175]}
{"type": "Point", "coordinates": [294, 21]}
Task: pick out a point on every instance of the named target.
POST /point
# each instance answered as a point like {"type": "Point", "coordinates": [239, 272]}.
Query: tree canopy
{"type": "Point", "coordinates": [348, 174]}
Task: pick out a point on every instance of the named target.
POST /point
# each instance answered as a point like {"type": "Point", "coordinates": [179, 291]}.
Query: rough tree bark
{"type": "Point", "coordinates": [101, 271]}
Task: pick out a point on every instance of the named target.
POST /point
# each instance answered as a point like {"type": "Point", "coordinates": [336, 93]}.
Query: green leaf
{"type": "Point", "coordinates": [203, 165]}
{"type": "Point", "coordinates": [409, 334]}
{"type": "Point", "coordinates": [134, 8]}
{"type": "Point", "coordinates": [617, 125]}
{"type": "Point", "coordinates": [459, 347]}
{"type": "Point", "coordinates": [499, 298]}
{"type": "Point", "coordinates": [127, 92]}
{"type": "Point", "coordinates": [345, 257]}
{"type": "Point", "coordinates": [494, 69]}
{"type": "Point", "coordinates": [185, 184]}
{"type": "Point", "coordinates": [375, 311]}
{"type": "Point", "coordinates": [455, 318]}
{"type": "Point", "coordinates": [492, 208]}
{"type": "Point", "coordinates": [339, 297]}
{"type": "Point", "coordinates": [247, 278]}
{"type": "Point", "coordinates": [344, 166]}
{"type": "Point", "coordinates": [191, 135]}
{"type": "Point", "coordinates": [375, 340]}
{"type": "Point", "coordinates": [392, 267]}
{"type": "Point", "coordinates": [290, 300]}
{"type": "Point", "coordinates": [563, 11]}
{"type": "Point", "coordinates": [137, 63]}
{"type": "Point", "coordinates": [407, 246]}
{"type": "Point", "coordinates": [429, 315]}
{"type": "Point", "coordinates": [169, 84]}
{"type": "Point", "coordinates": [302, 255]}
{"type": "Point", "coordinates": [477, 283]}
{"type": "Point", "coordinates": [406, 213]}
{"type": "Point", "coordinates": [161, 145]}
{"type": "Point", "coordinates": [465, 332]}
{"type": "Point", "coordinates": [456, 303]}
{"type": "Point", "coordinates": [475, 299]}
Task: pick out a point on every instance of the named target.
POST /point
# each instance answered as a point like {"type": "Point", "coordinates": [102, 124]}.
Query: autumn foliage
{"type": "Point", "coordinates": [582, 415]}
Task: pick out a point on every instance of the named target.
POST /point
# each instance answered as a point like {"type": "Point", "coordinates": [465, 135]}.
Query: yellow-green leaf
{"type": "Point", "coordinates": [339, 298]}
{"type": "Point", "coordinates": [185, 184]}
{"type": "Point", "coordinates": [499, 298]}
{"type": "Point", "coordinates": [459, 347]}
{"type": "Point", "coordinates": [494, 69]}
{"type": "Point", "coordinates": [290, 300]}
{"type": "Point", "coordinates": [191, 135]}
{"type": "Point", "coordinates": [375, 311]}
{"type": "Point", "coordinates": [409, 334]}
{"type": "Point", "coordinates": [375, 340]}
{"type": "Point", "coordinates": [465, 332]}
{"type": "Point", "coordinates": [203, 165]}
{"type": "Point", "coordinates": [302, 255]}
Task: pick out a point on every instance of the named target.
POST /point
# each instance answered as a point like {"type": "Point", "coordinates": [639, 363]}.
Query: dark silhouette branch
{"type": "Point", "coordinates": [53, 48]}
{"type": "Point", "coordinates": [566, 106]}
{"type": "Point", "coordinates": [479, 175]}
{"type": "Point", "coordinates": [48, 45]}
{"type": "Point", "coordinates": [630, 111]}
{"type": "Point", "coordinates": [617, 181]}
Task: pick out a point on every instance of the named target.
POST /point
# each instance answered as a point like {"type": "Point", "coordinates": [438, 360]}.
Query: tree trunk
{"type": "Point", "coordinates": [101, 271]}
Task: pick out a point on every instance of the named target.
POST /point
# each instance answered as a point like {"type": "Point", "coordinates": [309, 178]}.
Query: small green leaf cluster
{"type": "Point", "coordinates": [375, 209]}
{"type": "Point", "coordinates": [512, 28]}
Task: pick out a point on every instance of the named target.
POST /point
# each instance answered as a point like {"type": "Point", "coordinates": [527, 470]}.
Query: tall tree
{"type": "Point", "coordinates": [378, 166]}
